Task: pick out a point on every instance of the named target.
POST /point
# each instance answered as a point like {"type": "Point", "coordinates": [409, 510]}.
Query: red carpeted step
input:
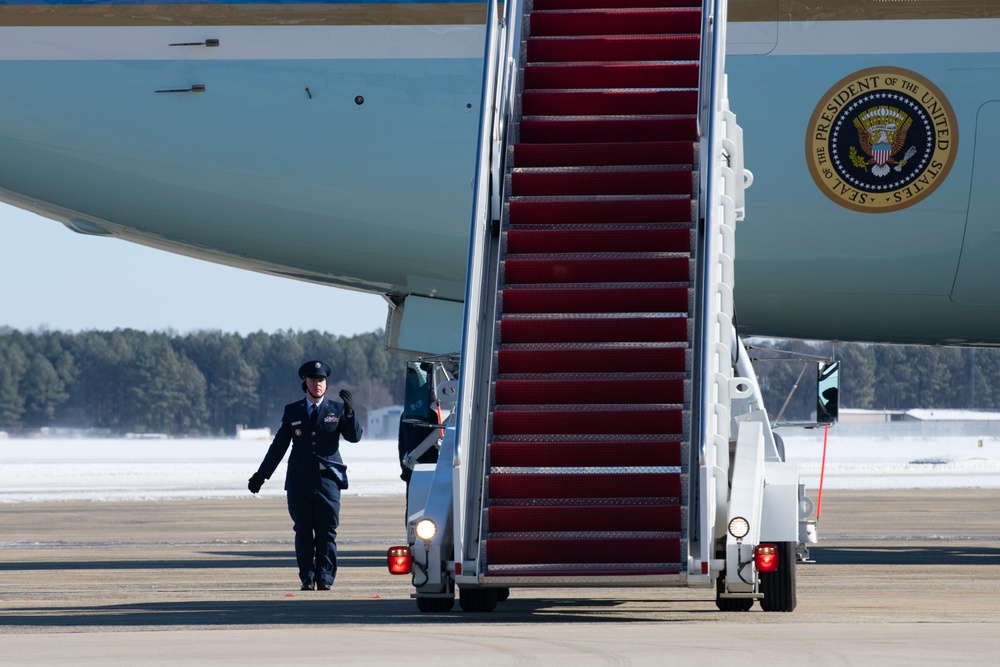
{"type": "Point", "coordinates": [594, 330]}
{"type": "Point", "coordinates": [584, 518]}
{"type": "Point", "coordinates": [612, 75]}
{"type": "Point", "coordinates": [517, 486]}
{"type": "Point", "coordinates": [608, 391]}
{"type": "Point", "coordinates": [635, 359]}
{"type": "Point", "coordinates": [609, 102]}
{"type": "Point", "coordinates": [595, 453]}
{"type": "Point", "coordinates": [614, 239]}
{"type": "Point", "coordinates": [600, 211]}
{"type": "Point", "coordinates": [614, 22]}
{"type": "Point", "coordinates": [613, 48]}
{"type": "Point", "coordinates": [596, 270]}
{"type": "Point", "coordinates": [598, 155]}
{"type": "Point", "coordinates": [628, 299]}
{"type": "Point", "coordinates": [626, 182]}
{"type": "Point", "coordinates": [601, 130]}
{"type": "Point", "coordinates": [569, 551]}
{"type": "Point", "coordinates": [548, 573]}
{"type": "Point", "coordinates": [596, 300]}
{"type": "Point", "coordinates": [552, 183]}
{"type": "Point", "coordinates": [540, 5]}
{"type": "Point", "coordinates": [587, 422]}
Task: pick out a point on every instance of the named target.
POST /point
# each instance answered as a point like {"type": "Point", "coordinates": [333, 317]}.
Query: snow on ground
{"type": "Point", "coordinates": [106, 469]}
{"type": "Point", "coordinates": [896, 463]}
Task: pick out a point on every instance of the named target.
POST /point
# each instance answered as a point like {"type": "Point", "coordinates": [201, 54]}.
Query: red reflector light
{"type": "Point", "coordinates": [765, 558]}
{"type": "Point", "coordinates": [399, 560]}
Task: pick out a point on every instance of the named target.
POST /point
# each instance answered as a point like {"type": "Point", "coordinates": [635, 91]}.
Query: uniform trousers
{"type": "Point", "coordinates": [315, 512]}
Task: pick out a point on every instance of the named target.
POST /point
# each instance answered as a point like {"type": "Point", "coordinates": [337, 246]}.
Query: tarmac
{"type": "Point", "coordinates": [900, 578]}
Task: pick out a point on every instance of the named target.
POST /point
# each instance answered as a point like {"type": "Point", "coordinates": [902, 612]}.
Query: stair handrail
{"type": "Point", "coordinates": [500, 57]}
{"type": "Point", "coordinates": [717, 340]}
{"type": "Point", "coordinates": [505, 98]}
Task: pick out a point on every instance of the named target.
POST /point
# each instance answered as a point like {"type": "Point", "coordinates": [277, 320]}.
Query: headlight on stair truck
{"type": "Point", "coordinates": [739, 527]}
{"type": "Point", "coordinates": [426, 530]}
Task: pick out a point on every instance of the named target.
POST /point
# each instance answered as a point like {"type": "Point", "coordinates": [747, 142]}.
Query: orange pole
{"type": "Point", "coordinates": [440, 430]}
{"type": "Point", "coordinates": [822, 470]}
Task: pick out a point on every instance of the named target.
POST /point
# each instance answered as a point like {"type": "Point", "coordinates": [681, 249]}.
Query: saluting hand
{"type": "Point", "coordinates": [348, 400]}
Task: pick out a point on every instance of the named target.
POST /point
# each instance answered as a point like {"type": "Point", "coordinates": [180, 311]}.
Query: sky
{"type": "Point", "coordinates": [56, 279]}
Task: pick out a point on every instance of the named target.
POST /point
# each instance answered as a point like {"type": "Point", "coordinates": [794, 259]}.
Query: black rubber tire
{"type": "Point", "coordinates": [778, 587]}
{"type": "Point", "coordinates": [729, 604]}
{"type": "Point", "coordinates": [435, 605]}
{"type": "Point", "coordinates": [502, 594]}
{"type": "Point", "coordinates": [477, 599]}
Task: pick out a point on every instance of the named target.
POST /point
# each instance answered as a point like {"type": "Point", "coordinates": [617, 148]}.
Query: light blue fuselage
{"type": "Point", "coordinates": [340, 154]}
{"type": "Point", "coordinates": [344, 154]}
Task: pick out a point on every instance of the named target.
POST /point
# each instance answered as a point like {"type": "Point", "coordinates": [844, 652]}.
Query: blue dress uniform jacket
{"type": "Point", "coordinates": [316, 475]}
{"type": "Point", "coordinates": [309, 447]}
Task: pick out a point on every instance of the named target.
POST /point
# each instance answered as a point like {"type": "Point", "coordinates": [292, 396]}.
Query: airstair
{"type": "Point", "coordinates": [589, 442]}
{"type": "Point", "coordinates": [597, 384]}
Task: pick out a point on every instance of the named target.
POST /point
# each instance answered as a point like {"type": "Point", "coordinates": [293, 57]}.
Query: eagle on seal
{"type": "Point", "coordinates": [880, 143]}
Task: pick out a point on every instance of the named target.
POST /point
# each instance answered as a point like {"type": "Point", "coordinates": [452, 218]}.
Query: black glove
{"type": "Point", "coordinates": [256, 481]}
{"type": "Point", "coordinates": [348, 400]}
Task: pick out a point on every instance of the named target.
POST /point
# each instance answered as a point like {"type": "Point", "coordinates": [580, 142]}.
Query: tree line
{"type": "Point", "coordinates": [207, 383]}
{"type": "Point", "coordinates": [200, 384]}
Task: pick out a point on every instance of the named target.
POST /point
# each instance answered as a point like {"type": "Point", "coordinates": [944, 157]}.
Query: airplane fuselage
{"type": "Point", "coordinates": [335, 143]}
{"type": "Point", "coordinates": [325, 145]}
{"type": "Point", "coordinates": [828, 252]}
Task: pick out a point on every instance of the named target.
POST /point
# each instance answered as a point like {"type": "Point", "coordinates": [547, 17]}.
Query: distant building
{"type": "Point", "coordinates": [383, 423]}
{"type": "Point", "coordinates": [953, 415]}
{"type": "Point", "coordinates": [244, 433]}
{"type": "Point", "coordinates": [853, 416]}
{"type": "Point", "coordinates": [918, 423]}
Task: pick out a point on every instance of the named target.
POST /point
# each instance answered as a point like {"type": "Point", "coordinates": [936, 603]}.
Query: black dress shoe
{"type": "Point", "coordinates": [322, 586]}
{"type": "Point", "coordinates": [306, 586]}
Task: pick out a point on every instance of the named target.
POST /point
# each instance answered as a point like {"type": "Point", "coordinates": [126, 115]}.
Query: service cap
{"type": "Point", "coordinates": [315, 369]}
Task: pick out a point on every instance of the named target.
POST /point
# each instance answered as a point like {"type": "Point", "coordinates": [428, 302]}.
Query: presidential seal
{"type": "Point", "coordinates": [881, 139]}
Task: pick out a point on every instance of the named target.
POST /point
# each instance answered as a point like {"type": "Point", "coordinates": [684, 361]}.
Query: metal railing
{"type": "Point", "coordinates": [717, 338]}
{"type": "Point", "coordinates": [497, 105]}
